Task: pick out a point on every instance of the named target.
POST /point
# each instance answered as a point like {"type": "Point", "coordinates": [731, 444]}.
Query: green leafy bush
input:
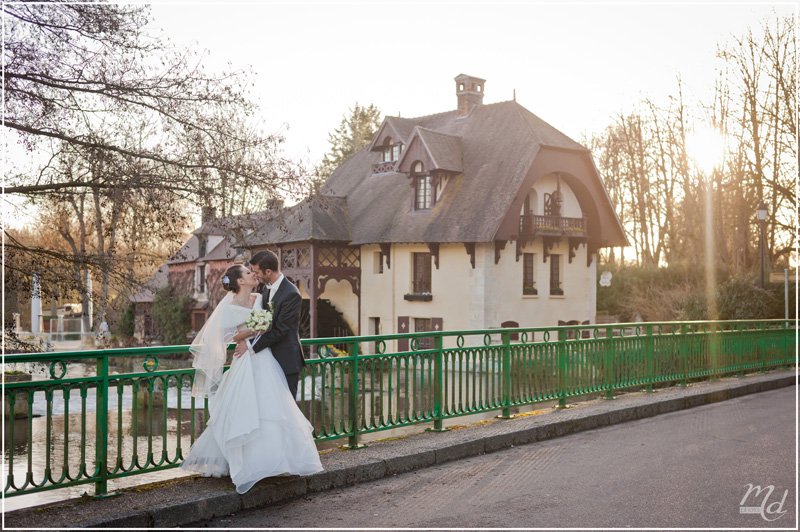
{"type": "Point", "coordinates": [654, 293]}
{"type": "Point", "coordinates": [127, 324]}
{"type": "Point", "coordinates": [777, 308]}
{"type": "Point", "coordinates": [740, 298]}
{"type": "Point", "coordinates": [172, 316]}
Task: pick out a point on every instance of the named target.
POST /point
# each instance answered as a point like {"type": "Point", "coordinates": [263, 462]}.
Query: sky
{"type": "Point", "coordinates": [575, 65]}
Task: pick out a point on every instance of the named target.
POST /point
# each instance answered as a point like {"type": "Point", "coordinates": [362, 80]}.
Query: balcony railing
{"type": "Point", "coordinates": [383, 166]}
{"type": "Point", "coordinates": [531, 225]}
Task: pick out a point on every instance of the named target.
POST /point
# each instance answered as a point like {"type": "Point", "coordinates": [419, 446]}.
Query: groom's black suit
{"type": "Point", "coordinates": [283, 336]}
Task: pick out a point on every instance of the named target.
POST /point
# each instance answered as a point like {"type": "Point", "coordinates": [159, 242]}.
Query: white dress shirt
{"type": "Point", "coordinates": [274, 288]}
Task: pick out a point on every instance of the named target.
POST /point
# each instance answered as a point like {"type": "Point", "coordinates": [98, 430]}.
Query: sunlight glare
{"type": "Point", "coordinates": [706, 146]}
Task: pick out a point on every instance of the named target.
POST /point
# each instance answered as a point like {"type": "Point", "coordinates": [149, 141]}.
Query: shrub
{"type": "Point", "coordinates": [777, 309]}
{"type": "Point", "coordinates": [172, 316]}
{"type": "Point", "coordinates": [654, 293]}
{"type": "Point", "coordinates": [739, 298]}
{"type": "Point", "coordinates": [127, 324]}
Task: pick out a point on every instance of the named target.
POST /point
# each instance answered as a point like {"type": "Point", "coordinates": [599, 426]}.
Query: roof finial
{"type": "Point", "coordinates": [515, 95]}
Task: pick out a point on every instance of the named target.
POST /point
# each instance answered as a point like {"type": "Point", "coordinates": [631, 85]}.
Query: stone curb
{"type": "Point", "coordinates": [201, 507]}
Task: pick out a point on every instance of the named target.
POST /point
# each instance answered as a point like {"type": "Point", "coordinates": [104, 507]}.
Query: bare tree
{"type": "Point", "coordinates": [128, 136]}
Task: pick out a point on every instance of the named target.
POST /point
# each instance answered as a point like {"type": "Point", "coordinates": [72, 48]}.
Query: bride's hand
{"type": "Point", "coordinates": [241, 348]}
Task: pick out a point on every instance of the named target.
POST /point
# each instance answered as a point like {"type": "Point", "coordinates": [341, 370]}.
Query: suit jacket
{"type": "Point", "coordinates": [283, 336]}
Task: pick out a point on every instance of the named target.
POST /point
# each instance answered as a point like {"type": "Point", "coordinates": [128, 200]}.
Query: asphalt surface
{"type": "Point", "coordinates": [683, 469]}
{"type": "Point", "coordinates": [656, 473]}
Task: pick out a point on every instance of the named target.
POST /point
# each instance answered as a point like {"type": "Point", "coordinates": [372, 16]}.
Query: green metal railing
{"type": "Point", "coordinates": [88, 429]}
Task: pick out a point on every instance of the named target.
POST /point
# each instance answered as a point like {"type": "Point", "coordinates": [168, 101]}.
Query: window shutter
{"type": "Point", "coordinates": [402, 327]}
{"type": "Point", "coordinates": [437, 324]}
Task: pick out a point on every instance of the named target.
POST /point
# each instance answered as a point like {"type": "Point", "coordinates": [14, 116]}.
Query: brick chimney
{"type": "Point", "coordinates": [208, 214]}
{"type": "Point", "coordinates": [469, 90]}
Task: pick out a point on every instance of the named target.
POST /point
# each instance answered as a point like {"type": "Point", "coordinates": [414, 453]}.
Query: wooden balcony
{"type": "Point", "coordinates": [383, 166]}
{"type": "Point", "coordinates": [533, 225]}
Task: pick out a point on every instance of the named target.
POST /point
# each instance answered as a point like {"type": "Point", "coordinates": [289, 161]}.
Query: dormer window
{"type": "Point", "coordinates": [423, 198]}
{"type": "Point", "coordinates": [390, 151]}
{"type": "Point", "coordinates": [203, 245]}
{"type": "Point", "coordinates": [423, 193]}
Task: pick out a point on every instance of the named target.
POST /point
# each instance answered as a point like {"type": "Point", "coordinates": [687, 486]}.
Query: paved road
{"type": "Point", "coordinates": [684, 469]}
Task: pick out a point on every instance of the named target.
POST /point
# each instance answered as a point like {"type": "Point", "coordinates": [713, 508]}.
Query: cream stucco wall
{"type": "Point", "coordinates": [479, 298]}
{"type": "Point", "coordinates": [468, 298]}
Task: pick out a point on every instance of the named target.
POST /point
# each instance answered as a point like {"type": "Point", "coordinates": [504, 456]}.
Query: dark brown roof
{"type": "Point", "coordinates": [225, 250]}
{"type": "Point", "coordinates": [147, 292]}
{"type": "Point", "coordinates": [393, 126]}
{"type": "Point", "coordinates": [233, 229]}
{"type": "Point", "coordinates": [445, 150]}
{"type": "Point", "coordinates": [493, 148]}
{"type": "Point", "coordinates": [498, 142]}
{"type": "Point", "coordinates": [226, 225]}
{"type": "Point", "coordinates": [187, 253]}
{"type": "Point", "coordinates": [321, 218]}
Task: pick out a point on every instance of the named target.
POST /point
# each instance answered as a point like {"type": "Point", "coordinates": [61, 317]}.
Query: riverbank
{"type": "Point", "coordinates": [183, 501]}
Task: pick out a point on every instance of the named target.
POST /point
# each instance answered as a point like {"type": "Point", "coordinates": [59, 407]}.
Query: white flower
{"type": "Point", "coordinates": [259, 320]}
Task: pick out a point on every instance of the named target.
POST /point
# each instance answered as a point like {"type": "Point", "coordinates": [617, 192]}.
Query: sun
{"type": "Point", "coordinates": [706, 147]}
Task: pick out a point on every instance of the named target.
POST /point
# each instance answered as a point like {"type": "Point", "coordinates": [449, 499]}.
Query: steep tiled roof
{"type": "Point", "coordinates": [498, 144]}
{"type": "Point", "coordinates": [489, 154]}
{"type": "Point", "coordinates": [225, 225]}
{"type": "Point", "coordinates": [147, 292]}
{"type": "Point", "coordinates": [321, 218]}
{"type": "Point", "coordinates": [393, 126]}
{"type": "Point", "coordinates": [187, 253]}
{"type": "Point", "coordinates": [445, 150]}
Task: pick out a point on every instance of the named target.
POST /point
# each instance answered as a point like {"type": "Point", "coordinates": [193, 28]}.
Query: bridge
{"type": "Point", "coordinates": [101, 418]}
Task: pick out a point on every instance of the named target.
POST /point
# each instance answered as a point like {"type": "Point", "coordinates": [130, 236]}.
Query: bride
{"type": "Point", "coordinates": [255, 429]}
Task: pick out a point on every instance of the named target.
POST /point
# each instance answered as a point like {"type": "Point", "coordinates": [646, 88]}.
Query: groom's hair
{"type": "Point", "coordinates": [265, 260]}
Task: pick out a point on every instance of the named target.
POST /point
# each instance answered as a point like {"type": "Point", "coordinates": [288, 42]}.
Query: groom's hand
{"type": "Point", "coordinates": [241, 348]}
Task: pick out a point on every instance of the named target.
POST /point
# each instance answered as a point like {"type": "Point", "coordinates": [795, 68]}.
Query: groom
{"type": "Point", "coordinates": [282, 336]}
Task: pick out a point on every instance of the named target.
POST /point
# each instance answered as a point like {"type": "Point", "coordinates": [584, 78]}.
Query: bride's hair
{"type": "Point", "coordinates": [232, 275]}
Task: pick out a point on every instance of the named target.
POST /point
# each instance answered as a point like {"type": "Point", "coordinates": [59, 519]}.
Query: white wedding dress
{"type": "Point", "coordinates": [255, 428]}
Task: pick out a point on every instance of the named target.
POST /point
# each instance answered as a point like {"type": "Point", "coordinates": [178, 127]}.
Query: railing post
{"type": "Point", "coordinates": [562, 365]}
{"type": "Point", "coordinates": [651, 355]}
{"type": "Point", "coordinates": [438, 392]}
{"type": "Point", "coordinates": [101, 428]}
{"type": "Point", "coordinates": [739, 349]}
{"type": "Point", "coordinates": [714, 349]}
{"type": "Point", "coordinates": [763, 347]}
{"type": "Point", "coordinates": [352, 442]}
{"type": "Point", "coordinates": [609, 363]}
{"type": "Point", "coordinates": [506, 388]}
{"type": "Point", "coordinates": [684, 355]}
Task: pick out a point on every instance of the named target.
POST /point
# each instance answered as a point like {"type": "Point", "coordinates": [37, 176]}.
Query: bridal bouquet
{"type": "Point", "coordinates": [259, 319]}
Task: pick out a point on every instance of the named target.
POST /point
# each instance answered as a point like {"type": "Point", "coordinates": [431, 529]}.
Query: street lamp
{"type": "Point", "coordinates": [761, 213]}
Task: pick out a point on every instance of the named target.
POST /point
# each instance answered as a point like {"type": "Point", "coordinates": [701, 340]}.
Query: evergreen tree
{"type": "Point", "coordinates": [356, 131]}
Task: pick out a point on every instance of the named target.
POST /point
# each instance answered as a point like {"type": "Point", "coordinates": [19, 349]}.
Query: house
{"type": "Point", "coordinates": [196, 270]}
{"type": "Point", "coordinates": [480, 217]}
